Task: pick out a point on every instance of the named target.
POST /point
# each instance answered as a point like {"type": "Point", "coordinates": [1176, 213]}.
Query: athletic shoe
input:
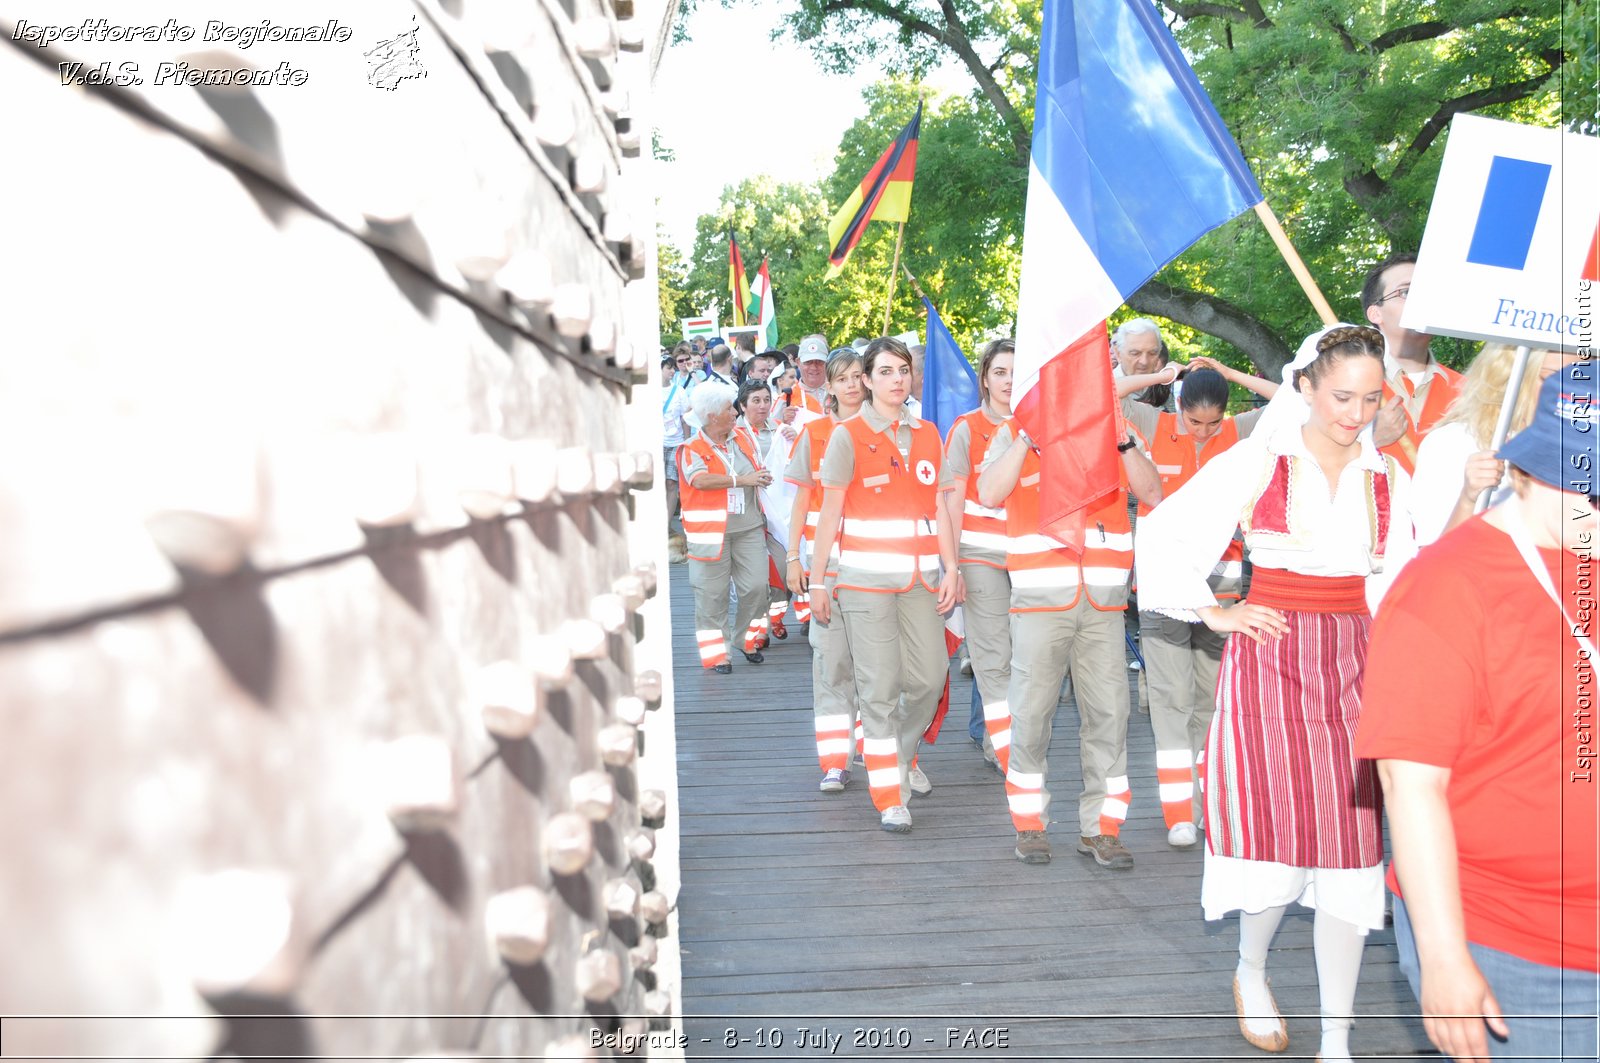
{"type": "Point", "coordinates": [1033, 847]}
{"type": "Point", "coordinates": [833, 780]}
{"type": "Point", "coordinates": [919, 782]}
{"type": "Point", "coordinates": [1107, 851]}
{"type": "Point", "coordinates": [1183, 836]}
{"type": "Point", "coordinates": [897, 819]}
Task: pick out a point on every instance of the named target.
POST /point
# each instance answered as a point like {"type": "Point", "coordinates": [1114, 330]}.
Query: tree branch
{"type": "Point", "coordinates": [1472, 101]}
{"type": "Point", "coordinates": [953, 36]}
{"type": "Point", "coordinates": [1216, 317]}
{"type": "Point", "coordinates": [1420, 31]}
{"type": "Point", "coordinates": [1345, 40]}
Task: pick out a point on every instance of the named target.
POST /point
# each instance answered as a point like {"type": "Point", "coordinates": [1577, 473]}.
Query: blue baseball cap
{"type": "Point", "coordinates": [1560, 446]}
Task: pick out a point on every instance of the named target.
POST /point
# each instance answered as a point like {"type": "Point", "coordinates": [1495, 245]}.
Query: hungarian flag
{"type": "Point", "coordinates": [761, 310]}
{"type": "Point", "coordinates": [738, 288]}
{"type": "Point", "coordinates": [884, 195]}
{"type": "Point", "coordinates": [1131, 165]}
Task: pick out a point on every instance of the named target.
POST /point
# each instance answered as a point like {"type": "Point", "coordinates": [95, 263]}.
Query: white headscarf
{"type": "Point", "coordinates": [1288, 408]}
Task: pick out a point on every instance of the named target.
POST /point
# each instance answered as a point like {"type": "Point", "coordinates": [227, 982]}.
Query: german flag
{"type": "Point", "coordinates": [884, 195]}
{"type": "Point", "coordinates": [738, 287]}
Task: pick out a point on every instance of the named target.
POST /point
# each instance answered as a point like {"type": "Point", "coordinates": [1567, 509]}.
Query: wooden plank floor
{"type": "Point", "coordinates": [799, 915]}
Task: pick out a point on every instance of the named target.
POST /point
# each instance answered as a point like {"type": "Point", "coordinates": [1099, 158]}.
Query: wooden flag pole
{"type": "Point", "coordinates": [894, 275]}
{"type": "Point", "coordinates": [1296, 266]}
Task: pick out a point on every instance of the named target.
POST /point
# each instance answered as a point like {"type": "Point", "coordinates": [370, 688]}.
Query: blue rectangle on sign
{"type": "Point", "coordinates": [1510, 210]}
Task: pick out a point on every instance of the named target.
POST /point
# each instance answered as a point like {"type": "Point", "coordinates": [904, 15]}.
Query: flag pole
{"type": "Point", "coordinates": [912, 277]}
{"type": "Point", "coordinates": [894, 275]}
{"type": "Point", "coordinates": [1296, 265]}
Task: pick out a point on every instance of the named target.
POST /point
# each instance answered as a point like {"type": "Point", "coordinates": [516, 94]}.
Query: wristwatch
{"type": "Point", "coordinates": [1127, 444]}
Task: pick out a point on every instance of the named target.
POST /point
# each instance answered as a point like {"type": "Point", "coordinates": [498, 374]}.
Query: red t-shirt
{"type": "Point", "coordinates": [1470, 668]}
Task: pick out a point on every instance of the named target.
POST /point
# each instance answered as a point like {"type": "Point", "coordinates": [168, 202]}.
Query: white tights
{"type": "Point", "coordinates": [1337, 946]}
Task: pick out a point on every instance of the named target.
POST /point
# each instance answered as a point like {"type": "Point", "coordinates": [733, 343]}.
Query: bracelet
{"type": "Point", "coordinates": [793, 559]}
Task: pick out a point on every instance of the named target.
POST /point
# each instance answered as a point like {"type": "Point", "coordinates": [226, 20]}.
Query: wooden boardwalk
{"type": "Point", "coordinates": [798, 915]}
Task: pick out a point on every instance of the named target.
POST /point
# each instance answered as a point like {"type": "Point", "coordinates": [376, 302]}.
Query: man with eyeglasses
{"type": "Point", "coordinates": [1417, 389]}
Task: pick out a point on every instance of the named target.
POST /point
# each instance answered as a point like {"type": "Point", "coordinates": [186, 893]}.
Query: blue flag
{"type": "Point", "coordinates": [949, 386]}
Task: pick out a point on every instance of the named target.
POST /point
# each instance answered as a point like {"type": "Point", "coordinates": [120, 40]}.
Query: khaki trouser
{"type": "Point", "coordinates": [987, 610]}
{"type": "Point", "coordinates": [1181, 664]}
{"type": "Point", "coordinates": [897, 645]}
{"type": "Point", "coordinates": [833, 692]}
{"type": "Point", "coordinates": [744, 561]}
{"type": "Point", "coordinates": [1044, 645]}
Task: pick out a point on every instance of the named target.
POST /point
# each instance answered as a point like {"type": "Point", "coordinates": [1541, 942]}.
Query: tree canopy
{"type": "Point", "coordinates": [1341, 106]}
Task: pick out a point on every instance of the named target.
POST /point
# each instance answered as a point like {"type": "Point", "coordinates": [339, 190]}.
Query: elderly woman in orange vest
{"type": "Point", "coordinates": [720, 471]}
{"type": "Point", "coordinates": [981, 549]}
{"type": "Point", "coordinates": [1066, 610]}
{"type": "Point", "coordinates": [897, 571]}
{"type": "Point", "coordinates": [1181, 658]}
{"type": "Point", "coordinates": [1292, 815]}
{"type": "Point", "coordinates": [833, 680]}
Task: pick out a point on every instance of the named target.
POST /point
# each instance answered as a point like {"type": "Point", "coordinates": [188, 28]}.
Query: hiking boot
{"type": "Point", "coordinates": [833, 780]}
{"type": "Point", "coordinates": [1107, 850]}
{"type": "Point", "coordinates": [1033, 847]}
{"type": "Point", "coordinates": [919, 782]}
{"type": "Point", "coordinates": [897, 818]}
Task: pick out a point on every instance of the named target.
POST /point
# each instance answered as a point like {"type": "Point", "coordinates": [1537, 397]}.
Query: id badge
{"type": "Point", "coordinates": [736, 500]}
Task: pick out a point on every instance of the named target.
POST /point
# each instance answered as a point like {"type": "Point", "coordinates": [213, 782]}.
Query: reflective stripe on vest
{"type": "Point", "coordinates": [1177, 460]}
{"type": "Point", "coordinates": [983, 530]}
{"type": "Point", "coordinates": [1045, 575]}
{"type": "Point", "coordinates": [705, 512]}
{"type": "Point", "coordinates": [888, 539]}
{"type": "Point", "coordinates": [818, 433]}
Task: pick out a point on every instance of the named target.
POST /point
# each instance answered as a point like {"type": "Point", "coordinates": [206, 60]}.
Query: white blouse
{"type": "Point", "coordinates": [1178, 542]}
{"type": "Point", "coordinates": [1436, 486]}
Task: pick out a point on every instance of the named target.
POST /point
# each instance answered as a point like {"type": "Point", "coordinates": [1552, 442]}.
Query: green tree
{"type": "Point", "coordinates": [1342, 107]}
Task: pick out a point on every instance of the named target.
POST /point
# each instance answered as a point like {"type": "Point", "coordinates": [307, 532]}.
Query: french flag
{"type": "Point", "coordinates": [1131, 164]}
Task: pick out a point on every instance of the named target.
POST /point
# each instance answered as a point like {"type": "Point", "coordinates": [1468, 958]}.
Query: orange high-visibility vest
{"type": "Point", "coordinates": [801, 399]}
{"type": "Point", "coordinates": [817, 434]}
{"type": "Point", "coordinates": [1045, 575]}
{"type": "Point", "coordinates": [888, 539]}
{"type": "Point", "coordinates": [1443, 387]}
{"type": "Point", "coordinates": [983, 530]}
{"type": "Point", "coordinates": [1177, 460]}
{"type": "Point", "coordinates": [705, 513]}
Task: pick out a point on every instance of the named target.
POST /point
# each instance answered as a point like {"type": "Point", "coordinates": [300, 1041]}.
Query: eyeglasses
{"type": "Point", "coordinates": [680, 361]}
{"type": "Point", "coordinates": [1399, 293]}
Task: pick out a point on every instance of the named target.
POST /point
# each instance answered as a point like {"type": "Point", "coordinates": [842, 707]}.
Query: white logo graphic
{"type": "Point", "coordinates": [925, 471]}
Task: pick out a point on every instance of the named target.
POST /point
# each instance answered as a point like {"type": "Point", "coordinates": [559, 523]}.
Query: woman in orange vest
{"type": "Point", "coordinates": [1181, 659]}
{"type": "Point", "coordinates": [720, 471]}
{"type": "Point", "coordinates": [1066, 611]}
{"type": "Point", "coordinates": [755, 407]}
{"type": "Point", "coordinates": [897, 571]}
{"type": "Point", "coordinates": [981, 549]}
{"type": "Point", "coordinates": [1292, 815]}
{"type": "Point", "coordinates": [833, 680]}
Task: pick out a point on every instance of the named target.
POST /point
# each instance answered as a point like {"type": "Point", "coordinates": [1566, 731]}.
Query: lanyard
{"type": "Point", "coordinates": [670, 394]}
{"type": "Point", "coordinates": [1530, 557]}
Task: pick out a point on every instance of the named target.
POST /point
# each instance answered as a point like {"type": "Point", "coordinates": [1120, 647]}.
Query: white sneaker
{"type": "Point", "coordinates": [833, 780]}
{"type": "Point", "coordinates": [1183, 835]}
{"type": "Point", "coordinates": [897, 819]}
{"type": "Point", "coordinates": [919, 782]}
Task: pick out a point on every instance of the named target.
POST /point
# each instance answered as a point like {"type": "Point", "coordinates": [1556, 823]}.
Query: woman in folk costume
{"type": "Point", "coordinates": [897, 571]}
{"type": "Point", "coordinates": [833, 680]}
{"type": "Point", "coordinates": [981, 546]}
{"type": "Point", "coordinates": [755, 407]}
{"type": "Point", "coordinates": [1291, 815]}
{"type": "Point", "coordinates": [721, 471]}
{"type": "Point", "coordinates": [1182, 659]}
